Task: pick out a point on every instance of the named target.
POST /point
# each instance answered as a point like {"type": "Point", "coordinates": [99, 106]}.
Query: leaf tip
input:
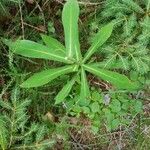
{"type": "Point", "coordinates": [25, 85]}
{"type": "Point", "coordinates": [57, 101]}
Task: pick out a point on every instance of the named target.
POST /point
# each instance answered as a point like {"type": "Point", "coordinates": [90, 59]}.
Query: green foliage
{"type": "Point", "coordinates": [130, 47]}
{"type": "Point", "coordinates": [99, 39]}
{"type": "Point", "coordinates": [71, 54]}
{"type": "Point", "coordinates": [115, 109]}
{"type": "Point", "coordinates": [34, 50]}
{"type": "Point", "coordinates": [70, 17]}
{"type": "Point", "coordinates": [52, 43]}
{"type": "Point", "coordinates": [94, 94]}
{"type": "Point", "coordinates": [3, 133]}
{"type": "Point", "coordinates": [46, 76]}
{"type": "Point", "coordinates": [15, 130]}
{"type": "Point", "coordinates": [65, 91]}
{"type": "Point", "coordinates": [112, 77]}
{"type": "Point", "coordinates": [84, 91]}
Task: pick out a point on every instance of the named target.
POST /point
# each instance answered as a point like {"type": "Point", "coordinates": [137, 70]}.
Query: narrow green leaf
{"type": "Point", "coordinates": [108, 64]}
{"type": "Point", "coordinates": [35, 50]}
{"type": "Point", "coordinates": [70, 17]}
{"type": "Point", "coordinates": [99, 39]}
{"type": "Point", "coordinates": [118, 80]}
{"type": "Point", "coordinates": [85, 92]}
{"type": "Point", "coordinates": [52, 43]}
{"type": "Point", "coordinates": [41, 78]}
{"type": "Point", "coordinates": [65, 91]}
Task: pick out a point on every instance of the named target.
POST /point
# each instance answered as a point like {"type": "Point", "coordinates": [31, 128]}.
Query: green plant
{"type": "Point", "coordinates": [115, 108]}
{"type": "Point", "coordinates": [16, 131]}
{"type": "Point", "coordinates": [70, 55]}
{"type": "Point", "coordinates": [130, 46]}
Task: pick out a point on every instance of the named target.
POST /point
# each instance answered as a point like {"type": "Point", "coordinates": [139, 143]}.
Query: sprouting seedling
{"type": "Point", "coordinates": [71, 56]}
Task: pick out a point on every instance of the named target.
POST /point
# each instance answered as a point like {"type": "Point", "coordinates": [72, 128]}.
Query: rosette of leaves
{"type": "Point", "coordinates": [71, 56]}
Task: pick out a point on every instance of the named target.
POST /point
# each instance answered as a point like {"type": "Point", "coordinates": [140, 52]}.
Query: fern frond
{"type": "Point", "coordinates": [41, 132]}
{"type": "Point", "coordinates": [133, 5]}
{"type": "Point", "coordinates": [129, 25]}
{"type": "Point", "coordinates": [144, 38]}
{"type": "Point", "coordinates": [140, 66]}
{"type": "Point", "coordinates": [36, 146]}
{"type": "Point", "coordinates": [5, 104]}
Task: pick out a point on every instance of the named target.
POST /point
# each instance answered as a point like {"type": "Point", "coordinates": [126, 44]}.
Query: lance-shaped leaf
{"type": "Point", "coordinates": [44, 77]}
{"type": "Point", "coordinates": [35, 50]}
{"type": "Point", "coordinates": [65, 91]}
{"type": "Point", "coordinates": [85, 92]}
{"type": "Point", "coordinates": [99, 39]}
{"type": "Point", "coordinates": [70, 17]}
{"type": "Point", "coordinates": [116, 79]}
{"type": "Point", "coordinates": [52, 43]}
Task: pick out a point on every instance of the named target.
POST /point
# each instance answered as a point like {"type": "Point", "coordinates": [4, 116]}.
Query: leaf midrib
{"type": "Point", "coordinates": [47, 53]}
{"type": "Point", "coordinates": [91, 68]}
{"type": "Point", "coordinates": [70, 36]}
{"type": "Point", "coordinates": [65, 69]}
